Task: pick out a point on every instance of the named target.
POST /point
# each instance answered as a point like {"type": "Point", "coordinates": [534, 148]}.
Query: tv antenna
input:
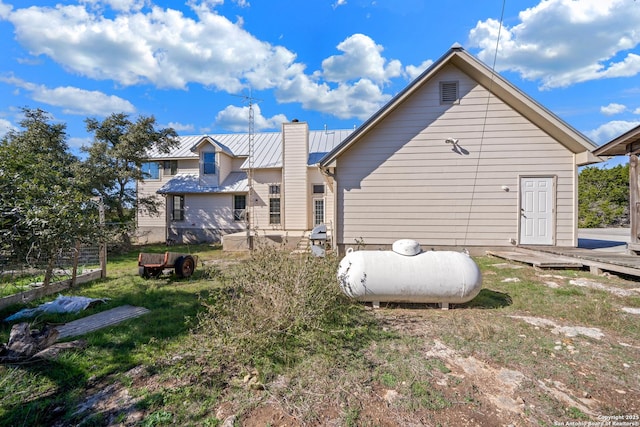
{"type": "Point", "coordinates": [249, 99]}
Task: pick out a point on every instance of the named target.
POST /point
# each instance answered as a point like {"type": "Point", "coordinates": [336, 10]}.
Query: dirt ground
{"type": "Point", "coordinates": [590, 377]}
{"type": "Point", "coordinates": [481, 393]}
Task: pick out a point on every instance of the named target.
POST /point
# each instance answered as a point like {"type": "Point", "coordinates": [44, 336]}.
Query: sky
{"type": "Point", "coordinates": [198, 65]}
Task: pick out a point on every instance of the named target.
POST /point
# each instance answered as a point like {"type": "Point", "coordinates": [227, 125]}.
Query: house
{"type": "Point", "coordinates": [210, 187]}
{"type": "Point", "coordinates": [628, 144]}
{"type": "Point", "coordinates": [459, 158]}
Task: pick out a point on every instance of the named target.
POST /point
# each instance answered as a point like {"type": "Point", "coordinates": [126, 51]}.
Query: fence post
{"type": "Point", "coordinates": [103, 246]}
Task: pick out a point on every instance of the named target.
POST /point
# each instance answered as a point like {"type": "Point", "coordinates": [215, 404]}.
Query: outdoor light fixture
{"type": "Point", "coordinates": [451, 141]}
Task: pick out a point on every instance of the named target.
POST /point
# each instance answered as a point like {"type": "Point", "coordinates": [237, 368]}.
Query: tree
{"type": "Point", "coordinates": [114, 162]}
{"type": "Point", "coordinates": [43, 209]}
{"type": "Point", "coordinates": [603, 197]}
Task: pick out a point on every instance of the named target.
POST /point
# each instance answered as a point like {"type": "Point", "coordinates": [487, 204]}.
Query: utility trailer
{"type": "Point", "coordinates": [152, 265]}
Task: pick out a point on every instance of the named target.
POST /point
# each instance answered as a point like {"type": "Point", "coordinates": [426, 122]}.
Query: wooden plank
{"type": "Point", "coordinates": [99, 321]}
{"type": "Point", "coordinates": [607, 261]}
{"type": "Point", "coordinates": [536, 260]}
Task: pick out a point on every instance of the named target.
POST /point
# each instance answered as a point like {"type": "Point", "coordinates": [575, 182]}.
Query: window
{"type": "Point", "coordinates": [318, 211]}
{"type": "Point", "coordinates": [274, 204]}
{"type": "Point", "coordinates": [209, 163]}
{"type": "Point", "coordinates": [239, 207]}
{"type": "Point", "coordinates": [177, 214]}
{"type": "Point", "coordinates": [449, 93]}
{"type": "Point", "coordinates": [274, 190]}
{"type": "Point", "coordinates": [318, 188]}
{"type": "Point", "coordinates": [150, 170]}
{"type": "Point", "coordinates": [170, 167]}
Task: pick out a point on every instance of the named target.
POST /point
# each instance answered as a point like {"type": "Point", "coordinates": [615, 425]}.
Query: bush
{"type": "Point", "coordinates": [276, 308]}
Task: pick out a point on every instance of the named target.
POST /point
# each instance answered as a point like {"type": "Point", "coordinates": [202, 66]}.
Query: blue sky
{"type": "Point", "coordinates": [330, 63]}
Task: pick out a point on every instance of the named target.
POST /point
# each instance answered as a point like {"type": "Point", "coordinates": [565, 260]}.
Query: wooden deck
{"type": "Point", "coordinates": [99, 321]}
{"type": "Point", "coordinates": [561, 257]}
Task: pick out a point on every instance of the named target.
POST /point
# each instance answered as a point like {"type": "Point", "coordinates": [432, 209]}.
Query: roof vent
{"type": "Point", "coordinates": [449, 93]}
{"type": "Point", "coordinates": [295, 121]}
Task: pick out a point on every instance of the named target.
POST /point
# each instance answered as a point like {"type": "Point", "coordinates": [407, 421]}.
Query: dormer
{"type": "Point", "coordinates": [214, 161]}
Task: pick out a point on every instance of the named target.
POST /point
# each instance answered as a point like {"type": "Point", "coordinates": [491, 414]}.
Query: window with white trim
{"type": "Point", "coordinates": [150, 170]}
{"type": "Point", "coordinates": [209, 163]}
{"type": "Point", "coordinates": [274, 204]}
{"type": "Point", "coordinates": [318, 188]}
{"type": "Point", "coordinates": [239, 207]}
{"type": "Point", "coordinates": [170, 167]}
{"type": "Point", "coordinates": [177, 212]}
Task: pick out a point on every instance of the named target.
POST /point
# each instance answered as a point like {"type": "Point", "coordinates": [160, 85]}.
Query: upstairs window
{"type": "Point", "coordinates": [209, 163]}
{"type": "Point", "coordinates": [170, 167]}
{"type": "Point", "coordinates": [449, 93]}
{"type": "Point", "coordinates": [150, 170]}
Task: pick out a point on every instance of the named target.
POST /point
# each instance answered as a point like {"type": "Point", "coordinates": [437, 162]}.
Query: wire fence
{"type": "Point", "coordinates": [19, 274]}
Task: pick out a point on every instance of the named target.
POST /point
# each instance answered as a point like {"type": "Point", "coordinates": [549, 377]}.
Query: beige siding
{"type": "Point", "coordinates": [315, 177]}
{"type": "Point", "coordinates": [294, 187]}
{"type": "Point", "coordinates": [402, 180]}
{"type": "Point", "coordinates": [210, 211]}
{"type": "Point", "coordinates": [152, 228]}
{"type": "Point", "coordinates": [189, 166]}
{"type": "Point", "coordinates": [262, 178]}
{"type": "Point", "coordinates": [225, 165]}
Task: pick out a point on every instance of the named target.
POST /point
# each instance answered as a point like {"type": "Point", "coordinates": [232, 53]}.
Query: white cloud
{"type": "Point", "coordinates": [236, 119]}
{"type": "Point", "coordinates": [5, 10]}
{"type": "Point", "coordinates": [140, 43]}
{"type": "Point", "coordinates": [612, 109]}
{"type": "Point", "coordinates": [361, 59]}
{"type": "Point", "coordinates": [76, 142]}
{"type": "Point", "coordinates": [6, 126]}
{"type": "Point", "coordinates": [563, 42]}
{"type": "Point", "coordinates": [610, 130]}
{"type": "Point", "coordinates": [339, 3]}
{"type": "Point", "coordinates": [414, 71]}
{"type": "Point", "coordinates": [160, 46]}
{"type": "Point", "coordinates": [74, 100]}
{"type": "Point", "coordinates": [636, 111]}
{"type": "Point", "coordinates": [179, 127]}
{"type": "Point", "coordinates": [360, 100]}
{"type": "Point", "coordinates": [118, 5]}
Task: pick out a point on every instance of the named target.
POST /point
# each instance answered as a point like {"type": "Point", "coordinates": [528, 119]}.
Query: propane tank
{"type": "Point", "coordinates": [408, 274]}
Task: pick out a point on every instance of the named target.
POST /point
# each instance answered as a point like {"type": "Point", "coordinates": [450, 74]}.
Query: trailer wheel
{"type": "Point", "coordinates": [142, 272]}
{"type": "Point", "coordinates": [184, 266]}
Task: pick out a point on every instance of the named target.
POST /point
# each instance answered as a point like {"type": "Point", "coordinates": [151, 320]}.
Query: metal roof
{"type": "Point", "coordinates": [620, 145]}
{"type": "Point", "coordinates": [267, 147]}
{"type": "Point", "coordinates": [189, 183]}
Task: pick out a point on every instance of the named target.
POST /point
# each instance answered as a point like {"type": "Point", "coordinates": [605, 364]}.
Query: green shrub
{"type": "Point", "coordinates": [275, 308]}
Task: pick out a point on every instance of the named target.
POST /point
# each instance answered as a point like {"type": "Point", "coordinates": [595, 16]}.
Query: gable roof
{"type": "Point", "coordinates": [573, 140]}
{"type": "Point", "coordinates": [618, 146]}
{"type": "Point", "coordinates": [267, 147]}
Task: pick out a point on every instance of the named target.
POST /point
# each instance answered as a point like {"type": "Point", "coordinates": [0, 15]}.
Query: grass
{"type": "Point", "coordinates": [275, 328]}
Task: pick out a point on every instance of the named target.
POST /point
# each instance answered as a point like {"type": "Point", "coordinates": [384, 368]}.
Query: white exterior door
{"type": "Point", "coordinates": [536, 210]}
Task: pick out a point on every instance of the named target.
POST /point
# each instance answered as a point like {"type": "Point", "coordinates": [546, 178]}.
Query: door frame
{"type": "Point", "coordinates": [554, 213]}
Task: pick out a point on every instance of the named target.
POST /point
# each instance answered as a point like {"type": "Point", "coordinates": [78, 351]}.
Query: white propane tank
{"type": "Point", "coordinates": [407, 274]}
